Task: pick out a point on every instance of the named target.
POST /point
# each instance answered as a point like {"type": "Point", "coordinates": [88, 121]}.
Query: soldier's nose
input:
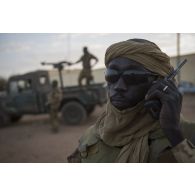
{"type": "Point", "coordinates": [120, 85]}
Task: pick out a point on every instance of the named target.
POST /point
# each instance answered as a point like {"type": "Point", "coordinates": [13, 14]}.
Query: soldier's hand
{"type": "Point", "coordinates": [171, 100]}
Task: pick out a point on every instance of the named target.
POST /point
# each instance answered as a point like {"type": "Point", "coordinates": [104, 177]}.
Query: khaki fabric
{"type": "Point", "coordinates": [85, 74]}
{"type": "Point", "coordinates": [184, 152]}
{"type": "Point", "coordinates": [54, 121]}
{"type": "Point", "coordinates": [54, 101]}
{"type": "Point", "coordinates": [148, 54]}
{"type": "Point", "coordinates": [128, 129]}
{"type": "Point", "coordinates": [93, 150]}
{"type": "Point", "coordinates": [54, 98]}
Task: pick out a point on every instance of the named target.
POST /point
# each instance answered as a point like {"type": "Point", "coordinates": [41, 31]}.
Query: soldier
{"type": "Point", "coordinates": [54, 100]}
{"type": "Point", "coordinates": [127, 131]}
{"type": "Point", "coordinates": [86, 63]}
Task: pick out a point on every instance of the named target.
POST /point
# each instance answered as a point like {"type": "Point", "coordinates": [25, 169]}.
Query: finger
{"type": "Point", "coordinates": [170, 84]}
{"type": "Point", "coordinates": [174, 89]}
{"type": "Point", "coordinates": [171, 90]}
{"type": "Point", "coordinates": [156, 86]}
{"type": "Point", "coordinates": [157, 94]}
{"type": "Point", "coordinates": [165, 90]}
{"type": "Point", "coordinates": [161, 84]}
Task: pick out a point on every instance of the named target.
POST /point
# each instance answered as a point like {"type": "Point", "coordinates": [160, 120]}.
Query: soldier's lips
{"type": "Point", "coordinates": [119, 102]}
{"type": "Point", "coordinates": [118, 99]}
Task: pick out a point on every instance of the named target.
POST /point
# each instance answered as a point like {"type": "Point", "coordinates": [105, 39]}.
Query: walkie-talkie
{"type": "Point", "coordinates": [154, 106]}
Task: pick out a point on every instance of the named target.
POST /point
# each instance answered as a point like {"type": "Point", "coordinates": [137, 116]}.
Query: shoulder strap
{"type": "Point", "coordinates": [158, 143]}
{"type": "Point", "coordinates": [88, 139]}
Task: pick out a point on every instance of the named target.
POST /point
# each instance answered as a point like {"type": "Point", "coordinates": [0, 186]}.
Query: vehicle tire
{"type": "Point", "coordinates": [73, 113]}
{"type": "Point", "coordinates": [15, 118]}
{"type": "Point", "coordinates": [4, 119]}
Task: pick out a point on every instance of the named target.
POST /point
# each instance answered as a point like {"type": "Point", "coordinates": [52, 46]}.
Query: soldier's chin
{"type": "Point", "coordinates": [122, 105]}
{"type": "Point", "coordinates": [119, 105]}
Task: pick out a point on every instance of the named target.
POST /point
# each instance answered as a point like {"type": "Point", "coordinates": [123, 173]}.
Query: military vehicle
{"type": "Point", "coordinates": [27, 94]}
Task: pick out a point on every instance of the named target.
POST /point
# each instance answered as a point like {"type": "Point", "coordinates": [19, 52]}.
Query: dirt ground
{"type": "Point", "coordinates": [31, 140]}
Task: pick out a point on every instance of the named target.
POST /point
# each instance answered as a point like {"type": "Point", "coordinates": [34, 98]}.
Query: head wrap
{"type": "Point", "coordinates": [145, 52]}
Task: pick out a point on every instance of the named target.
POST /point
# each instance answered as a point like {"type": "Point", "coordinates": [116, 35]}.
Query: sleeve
{"type": "Point", "coordinates": [94, 57]}
{"type": "Point", "coordinates": [188, 130]}
{"type": "Point", "coordinates": [87, 146]}
{"type": "Point", "coordinates": [184, 152]}
{"type": "Point", "coordinates": [74, 157]}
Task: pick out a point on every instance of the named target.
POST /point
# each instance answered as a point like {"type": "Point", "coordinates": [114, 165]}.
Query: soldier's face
{"type": "Point", "coordinates": [128, 82]}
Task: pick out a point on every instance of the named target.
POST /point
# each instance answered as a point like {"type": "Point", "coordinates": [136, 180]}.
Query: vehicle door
{"type": "Point", "coordinates": [23, 97]}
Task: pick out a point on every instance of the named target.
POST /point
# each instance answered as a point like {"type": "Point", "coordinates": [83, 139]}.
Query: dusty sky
{"type": "Point", "coordinates": [21, 53]}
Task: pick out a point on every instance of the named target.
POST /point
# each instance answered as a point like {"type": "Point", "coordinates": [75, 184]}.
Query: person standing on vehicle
{"type": "Point", "coordinates": [54, 101]}
{"type": "Point", "coordinates": [86, 63]}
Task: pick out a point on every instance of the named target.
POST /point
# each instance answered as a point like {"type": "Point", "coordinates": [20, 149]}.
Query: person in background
{"type": "Point", "coordinates": [54, 101]}
{"type": "Point", "coordinates": [86, 72]}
